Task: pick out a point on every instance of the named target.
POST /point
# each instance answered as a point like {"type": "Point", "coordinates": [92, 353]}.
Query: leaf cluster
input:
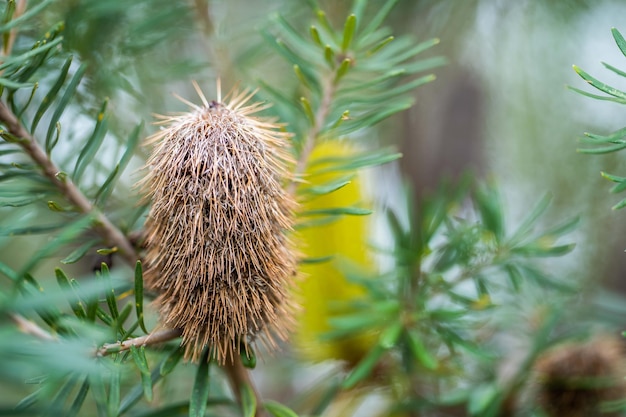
{"type": "Point", "coordinates": [614, 141]}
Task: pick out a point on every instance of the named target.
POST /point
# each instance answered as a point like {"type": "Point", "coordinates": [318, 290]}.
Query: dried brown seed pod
{"type": "Point", "coordinates": [576, 379]}
{"type": "Point", "coordinates": [217, 251]}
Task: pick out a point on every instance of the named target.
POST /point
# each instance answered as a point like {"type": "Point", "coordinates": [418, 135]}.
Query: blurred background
{"type": "Point", "coordinates": [500, 109]}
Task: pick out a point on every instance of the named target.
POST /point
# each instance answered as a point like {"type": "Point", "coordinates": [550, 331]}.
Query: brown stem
{"type": "Point", "coordinates": [111, 234]}
{"type": "Point", "coordinates": [239, 377]}
{"type": "Point", "coordinates": [156, 337]}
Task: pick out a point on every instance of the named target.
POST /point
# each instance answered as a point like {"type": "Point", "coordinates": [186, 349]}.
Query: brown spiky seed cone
{"type": "Point", "coordinates": [217, 253]}
{"type": "Point", "coordinates": [575, 379]}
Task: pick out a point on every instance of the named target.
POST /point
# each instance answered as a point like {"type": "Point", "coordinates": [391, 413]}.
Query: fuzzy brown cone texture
{"type": "Point", "coordinates": [217, 251]}
{"type": "Point", "coordinates": [575, 380]}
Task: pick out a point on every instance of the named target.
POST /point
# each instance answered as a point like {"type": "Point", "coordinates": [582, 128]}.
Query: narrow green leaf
{"type": "Point", "coordinates": [614, 137]}
{"type": "Point", "coordinates": [28, 401]}
{"type": "Point", "coordinates": [619, 40]}
{"type": "Point", "coordinates": [19, 203]}
{"type": "Point", "coordinates": [107, 187]}
{"type": "Point", "coordinates": [481, 397]}
{"type": "Point", "coordinates": [121, 319]}
{"type": "Point", "coordinates": [139, 295]}
{"type": "Point", "coordinates": [357, 161]}
{"type": "Point", "coordinates": [290, 55]}
{"type": "Point", "coordinates": [348, 32]}
{"type": "Point", "coordinates": [376, 116]}
{"type": "Point", "coordinates": [561, 229]}
{"type": "Point", "coordinates": [55, 406]}
{"type": "Point", "coordinates": [248, 356]}
{"type": "Point", "coordinates": [64, 283]}
{"type": "Point", "coordinates": [351, 211]}
{"type": "Point", "coordinates": [200, 390]}
{"type": "Point", "coordinates": [317, 260]}
{"type": "Point", "coordinates": [80, 399]}
{"type": "Point", "coordinates": [596, 96]}
{"type": "Point", "coordinates": [248, 401]}
{"type": "Point", "coordinates": [113, 402]}
{"type": "Point", "coordinates": [306, 105]}
{"type": "Point", "coordinates": [30, 54]}
{"type": "Point", "coordinates": [343, 69]}
{"type": "Point", "coordinates": [329, 56]}
{"type": "Point", "coordinates": [614, 69]}
{"type": "Point", "coordinates": [619, 205]}
{"type": "Point", "coordinates": [139, 357]}
{"type": "Point", "coordinates": [30, 99]}
{"type": "Point", "coordinates": [527, 224]}
{"type": "Point", "coordinates": [54, 206]}
{"type": "Point", "coordinates": [420, 352]}
{"type": "Point", "coordinates": [325, 24]}
{"type": "Point", "coordinates": [489, 205]}
{"type": "Point", "coordinates": [602, 150]}
{"type": "Point", "coordinates": [415, 50]}
{"type": "Point", "coordinates": [538, 250]}
{"type": "Point", "coordinates": [621, 182]}
{"type": "Point", "coordinates": [49, 98]}
{"type": "Point", "coordinates": [168, 365]}
{"type": "Point", "coordinates": [30, 12]}
{"type": "Point", "coordinates": [79, 252]}
{"type": "Point", "coordinates": [344, 116]}
{"type": "Point", "coordinates": [107, 251]}
{"type": "Point", "coordinates": [93, 144]}
{"type": "Point", "coordinates": [600, 85]}
{"type": "Point", "coordinates": [315, 35]}
{"type": "Point", "coordinates": [8, 15]}
{"type": "Point", "coordinates": [99, 395]}
{"type": "Point", "coordinates": [67, 235]}
{"type": "Point", "coordinates": [389, 337]}
{"type": "Point", "coordinates": [102, 315]}
{"type": "Point", "coordinates": [515, 276]}
{"type": "Point", "coordinates": [379, 17]}
{"type": "Point", "coordinates": [364, 368]}
{"type": "Point", "coordinates": [380, 45]}
{"type": "Point", "coordinates": [67, 96]}
{"type": "Point", "coordinates": [135, 394]}
{"type": "Point", "coordinates": [327, 188]}
{"type": "Point", "coordinates": [110, 292]}
{"type": "Point", "coordinates": [278, 410]}
{"type": "Point", "coordinates": [13, 84]}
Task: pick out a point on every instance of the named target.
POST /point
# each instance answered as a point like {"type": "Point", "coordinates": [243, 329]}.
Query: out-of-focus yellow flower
{"type": "Point", "coordinates": [324, 287]}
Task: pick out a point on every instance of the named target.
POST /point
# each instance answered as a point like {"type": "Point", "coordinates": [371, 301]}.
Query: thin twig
{"type": "Point", "coordinates": [111, 234]}
{"type": "Point", "coordinates": [29, 327]}
{"type": "Point", "coordinates": [156, 337]}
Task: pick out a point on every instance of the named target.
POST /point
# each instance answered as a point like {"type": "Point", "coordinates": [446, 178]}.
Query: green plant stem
{"type": "Point", "coordinates": [111, 234]}
{"type": "Point", "coordinates": [156, 337]}
{"type": "Point", "coordinates": [328, 92]}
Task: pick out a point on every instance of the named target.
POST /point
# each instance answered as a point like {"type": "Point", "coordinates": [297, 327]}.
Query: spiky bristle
{"type": "Point", "coordinates": [217, 251]}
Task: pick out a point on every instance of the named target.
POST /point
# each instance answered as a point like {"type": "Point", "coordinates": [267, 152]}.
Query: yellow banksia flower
{"type": "Point", "coordinates": [217, 251]}
{"type": "Point", "coordinates": [323, 285]}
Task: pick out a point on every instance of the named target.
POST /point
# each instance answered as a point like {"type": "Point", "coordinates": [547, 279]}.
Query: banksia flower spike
{"type": "Point", "coordinates": [217, 251]}
{"type": "Point", "coordinates": [575, 380]}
